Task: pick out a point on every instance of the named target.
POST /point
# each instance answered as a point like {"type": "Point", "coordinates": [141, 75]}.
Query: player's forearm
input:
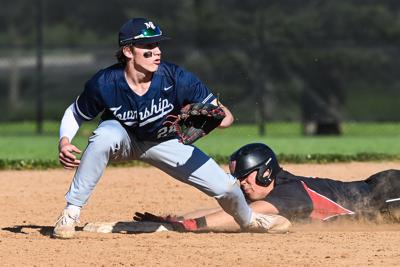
{"type": "Point", "coordinates": [263, 207]}
{"type": "Point", "coordinates": [200, 213]}
{"type": "Point", "coordinates": [220, 221]}
{"type": "Point", "coordinates": [228, 120]}
{"type": "Point", "coordinates": [70, 124]}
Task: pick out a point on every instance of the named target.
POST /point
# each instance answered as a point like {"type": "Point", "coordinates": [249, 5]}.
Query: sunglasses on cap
{"type": "Point", "coordinates": [145, 33]}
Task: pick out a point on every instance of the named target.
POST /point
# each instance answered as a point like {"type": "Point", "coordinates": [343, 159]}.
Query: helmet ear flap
{"type": "Point", "coordinates": [260, 179]}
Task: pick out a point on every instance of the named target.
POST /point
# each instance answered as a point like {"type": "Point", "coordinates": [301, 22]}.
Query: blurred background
{"type": "Point", "coordinates": [320, 63]}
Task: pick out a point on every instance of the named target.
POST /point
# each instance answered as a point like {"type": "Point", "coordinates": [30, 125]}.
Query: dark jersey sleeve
{"type": "Point", "coordinates": [90, 103]}
{"type": "Point", "coordinates": [192, 90]}
{"type": "Point", "coordinates": [291, 200]}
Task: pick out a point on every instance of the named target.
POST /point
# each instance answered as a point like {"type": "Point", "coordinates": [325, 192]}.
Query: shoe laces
{"type": "Point", "coordinates": [66, 218]}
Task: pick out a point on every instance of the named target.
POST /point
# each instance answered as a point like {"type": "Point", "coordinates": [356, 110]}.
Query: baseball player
{"type": "Point", "coordinates": [272, 190]}
{"type": "Point", "coordinates": [135, 98]}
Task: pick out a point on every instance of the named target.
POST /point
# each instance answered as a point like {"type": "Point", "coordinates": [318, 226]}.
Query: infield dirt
{"type": "Point", "coordinates": [31, 201]}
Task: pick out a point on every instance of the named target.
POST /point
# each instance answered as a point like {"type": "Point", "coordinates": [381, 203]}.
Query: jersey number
{"type": "Point", "coordinates": [165, 131]}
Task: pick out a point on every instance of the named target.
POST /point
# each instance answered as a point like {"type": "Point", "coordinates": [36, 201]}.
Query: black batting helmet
{"type": "Point", "coordinates": [251, 157]}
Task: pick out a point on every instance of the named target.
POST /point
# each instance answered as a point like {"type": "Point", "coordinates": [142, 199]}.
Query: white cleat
{"type": "Point", "coordinates": [65, 225]}
{"type": "Point", "coordinates": [271, 223]}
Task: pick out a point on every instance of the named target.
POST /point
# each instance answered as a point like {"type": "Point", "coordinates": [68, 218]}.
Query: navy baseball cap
{"type": "Point", "coordinates": [140, 31]}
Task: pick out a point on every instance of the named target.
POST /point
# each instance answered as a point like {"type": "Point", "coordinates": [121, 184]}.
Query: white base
{"type": "Point", "coordinates": [126, 227]}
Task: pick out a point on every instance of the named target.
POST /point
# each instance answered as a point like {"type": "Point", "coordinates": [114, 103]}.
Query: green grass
{"type": "Point", "coordinates": [18, 141]}
{"type": "Point", "coordinates": [286, 138]}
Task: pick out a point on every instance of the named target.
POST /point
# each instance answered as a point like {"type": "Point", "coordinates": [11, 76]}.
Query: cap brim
{"type": "Point", "coordinates": [151, 40]}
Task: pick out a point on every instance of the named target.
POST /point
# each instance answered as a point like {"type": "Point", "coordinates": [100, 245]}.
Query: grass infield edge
{"type": "Point", "coordinates": [38, 164]}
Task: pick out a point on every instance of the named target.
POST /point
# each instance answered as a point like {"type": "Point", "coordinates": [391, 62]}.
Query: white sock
{"type": "Point", "coordinates": [75, 211]}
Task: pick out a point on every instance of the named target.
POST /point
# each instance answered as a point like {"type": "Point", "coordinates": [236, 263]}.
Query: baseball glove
{"type": "Point", "coordinates": [196, 120]}
{"type": "Point", "coordinates": [181, 225]}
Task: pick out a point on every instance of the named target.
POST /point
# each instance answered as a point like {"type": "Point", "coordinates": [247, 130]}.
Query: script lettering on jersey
{"type": "Point", "coordinates": [149, 114]}
{"type": "Point", "coordinates": [160, 110]}
{"type": "Point", "coordinates": [124, 116]}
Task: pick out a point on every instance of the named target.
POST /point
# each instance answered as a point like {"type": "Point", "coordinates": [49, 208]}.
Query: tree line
{"type": "Point", "coordinates": [311, 60]}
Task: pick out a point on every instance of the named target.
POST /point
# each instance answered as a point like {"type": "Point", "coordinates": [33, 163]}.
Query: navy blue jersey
{"type": "Point", "coordinates": [317, 198]}
{"type": "Point", "coordinates": [171, 88]}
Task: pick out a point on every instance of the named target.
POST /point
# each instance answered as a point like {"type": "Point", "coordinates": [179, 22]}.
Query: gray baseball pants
{"type": "Point", "coordinates": [188, 164]}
